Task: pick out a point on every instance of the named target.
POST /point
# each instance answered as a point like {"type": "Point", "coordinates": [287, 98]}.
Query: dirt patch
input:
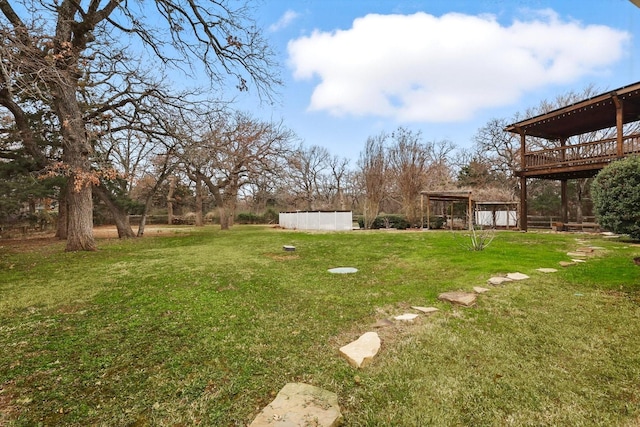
{"type": "Point", "coordinates": [8, 410]}
{"type": "Point", "coordinates": [43, 240]}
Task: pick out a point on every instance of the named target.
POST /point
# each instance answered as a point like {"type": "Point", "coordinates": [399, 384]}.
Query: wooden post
{"type": "Point", "coordinates": [523, 181]}
{"type": "Point", "coordinates": [428, 213]}
{"type": "Point", "coordinates": [619, 121]}
{"type": "Point", "coordinates": [451, 216]}
{"type": "Point", "coordinates": [471, 213]}
{"type": "Point", "coordinates": [421, 211]}
{"type": "Point", "coordinates": [564, 201]}
{"type": "Point", "coordinates": [523, 203]}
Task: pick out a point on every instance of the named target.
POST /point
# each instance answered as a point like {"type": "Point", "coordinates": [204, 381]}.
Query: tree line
{"type": "Point", "coordinates": [95, 125]}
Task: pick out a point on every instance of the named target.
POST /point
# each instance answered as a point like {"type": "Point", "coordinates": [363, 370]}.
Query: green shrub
{"type": "Point", "coordinates": [399, 222]}
{"type": "Point", "coordinates": [616, 197]}
{"type": "Point", "coordinates": [271, 216]}
{"type": "Point", "coordinates": [249, 218]}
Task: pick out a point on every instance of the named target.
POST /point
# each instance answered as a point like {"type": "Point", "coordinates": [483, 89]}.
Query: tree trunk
{"type": "Point", "coordinates": [224, 217]}
{"type": "Point", "coordinates": [143, 217]}
{"type": "Point", "coordinates": [80, 214]}
{"type": "Point", "coordinates": [199, 222]}
{"type": "Point", "coordinates": [63, 217]}
{"type": "Point", "coordinates": [79, 201]}
{"type": "Point", "coordinates": [76, 152]}
{"type": "Point", "coordinates": [120, 216]}
{"type": "Point", "coordinates": [170, 199]}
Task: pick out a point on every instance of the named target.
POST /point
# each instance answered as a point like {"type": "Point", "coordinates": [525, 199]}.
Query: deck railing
{"type": "Point", "coordinates": [586, 153]}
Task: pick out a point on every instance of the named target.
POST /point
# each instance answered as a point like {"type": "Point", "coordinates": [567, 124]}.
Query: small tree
{"type": "Point", "coordinates": [616, 197]}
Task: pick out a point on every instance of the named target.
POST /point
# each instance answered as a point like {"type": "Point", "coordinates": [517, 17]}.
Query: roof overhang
{"type": "Point", "coordinates": [598, 112]}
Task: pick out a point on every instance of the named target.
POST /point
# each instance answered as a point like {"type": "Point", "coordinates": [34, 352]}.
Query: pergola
{"type": "Point", "coordinates": [463, 196]}
{"type": "Point", "coordinates": [612, 109]}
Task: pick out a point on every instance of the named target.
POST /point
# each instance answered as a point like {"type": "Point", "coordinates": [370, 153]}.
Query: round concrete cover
{"type": "Point", "coordinates": [343, 270]}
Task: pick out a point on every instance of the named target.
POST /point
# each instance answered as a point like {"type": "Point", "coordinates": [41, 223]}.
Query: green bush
{"type": "Point", "coordinates": [616, 197]}
{"type": "Point", "coordinates": [435, 222]}
{"type": "Point", "coordinates": [400, 222]}
{"type": "Point", "coordinates": [271, 216]}
{"type": "Point", "coordinates": [248, 218]}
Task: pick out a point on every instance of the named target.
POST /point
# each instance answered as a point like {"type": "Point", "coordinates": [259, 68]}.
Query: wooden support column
{"type": "Point", "coordinates": [421, 211]}
{"type": "Point", "coordinates": [428, 213]}
{"type": "Point", "coordinates": [564, 201]}
{"type": "Point", "coordinates": [471, 213]}
{"type": "Point", "coordinates": [523, 203]}
{"type": "Point", "coordinates": [451, 227]}
{"type": "Point", "coordinates": [619, 122]}
{"type": "Point", "coordinates": [523, 180]}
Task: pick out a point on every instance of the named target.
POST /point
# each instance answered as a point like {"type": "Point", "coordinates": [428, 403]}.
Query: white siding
{"type": "Point", "coordinates": [333, 221]}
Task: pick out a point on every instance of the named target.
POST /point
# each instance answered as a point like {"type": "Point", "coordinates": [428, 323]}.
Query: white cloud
{"type": "Point", "coordinates": [425, 68]}
{"type": "Point", "coordinates": [284, 21]}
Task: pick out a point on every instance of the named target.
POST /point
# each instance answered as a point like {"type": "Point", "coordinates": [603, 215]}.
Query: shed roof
{"type": "Point", "coordinates": [595, 113]}
{"type": "Point", "coordinates": [443, 196]}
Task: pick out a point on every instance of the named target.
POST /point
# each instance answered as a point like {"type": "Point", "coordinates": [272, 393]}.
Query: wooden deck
{"type": "Point", "coordinates": [577, 160]}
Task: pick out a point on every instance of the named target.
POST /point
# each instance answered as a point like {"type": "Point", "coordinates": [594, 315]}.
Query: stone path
{"type": "Point", "coordinates": [300, 404]}
{"type": "Point", "coordinates": [361, 351]}
{"type": "Point", "coordinates": [305, 405]}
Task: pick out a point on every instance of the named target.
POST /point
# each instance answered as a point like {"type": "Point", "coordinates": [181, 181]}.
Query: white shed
{"type": "Point", "coordinates": [317, 220]}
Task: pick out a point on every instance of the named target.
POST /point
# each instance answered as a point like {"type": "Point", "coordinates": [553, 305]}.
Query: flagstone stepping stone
{"type": "Point", "coordinates": [576, 254]}
{"type": "Point", "coordinates": [299, 404]}
{"type": "Point", "coordinates": [547, 270]}
{"type": "Point", "coordinates": [289, 248]}
{"type": "Point", "coordinates": [480, 290]}
{"type": "Point", "coordinates": [425, 310]}
{"type": "Point", "coordinates": [408, 317]}
{"type": "Point", "coordinates": [597, 248]}
{"type": "Point", "coordinates": [361, 351]}
{"type": "Point", "coordinates": [466, 299]}
{"type": "Point", "coordinates": [586, 250]}
{"type": "Point", "coordinates": [343, 270]}
{"type": "Point", "coordinates": [498, 280]}
{"type": "Point", "coordinates": [517, 276]}
{"type": "Point", "coordinates": [566, 263]}
{"type": "Point", "coordinates": [383, 323]}
{"type": "Point", "coordinates": [578, 260]}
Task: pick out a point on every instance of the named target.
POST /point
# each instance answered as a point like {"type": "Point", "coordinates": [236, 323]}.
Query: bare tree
{"type": "Point", "coordinates": [372, 166]}
{"type": "Point", "coordinates": [306, 167]}
{"type": "Point", "coordinates": [408, 163]}
{"type": "Point", "coordinates": [339, 167]}
{"type": "Point", "coordinates": [56, 52]}
{"type": "Point", "coordinates": [232, 153]}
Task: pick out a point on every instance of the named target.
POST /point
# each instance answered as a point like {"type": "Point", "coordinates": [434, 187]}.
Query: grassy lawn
{"type": "Point", "coordinates": [204, 327]}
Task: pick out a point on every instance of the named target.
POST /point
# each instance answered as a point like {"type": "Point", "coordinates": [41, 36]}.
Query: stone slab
{"type": "Point", "coordinates": [407, 317]}
{"type": "Point", "coordinates": [517, 276]}
{"type": "Point", "coordinates": [578, 260]}
{"type": "Point", "coordinates": [566, 263]}
{"type": "Point", "coordinates": [299, 404]}
{"type": "Point", "coordinates": [361, 351]}
{"type": "Point", "coordinates": [586, 249]}
{"type": "Point", "coordinates": [383, 323]}
{"type": "Point", "coordinates": [343, 270]}
{"type": "Point", "coordinates": [576, 254]}
{"type": "Point", "coordinates": [425, 310]}
{"type": "Point", "coordinates": [466, 299]}
{"type": "Point", "coordinates": [480, 290]}
{"type": "Point", "coordinates": [289, 248]}
{"type": "Point", "coordinates": [547, 270]}
{"type": "Point", "coordinates": [498, 280]}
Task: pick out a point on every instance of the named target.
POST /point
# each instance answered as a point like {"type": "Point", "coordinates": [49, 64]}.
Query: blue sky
{"type": "Point", "coordinates": [355, 68]}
